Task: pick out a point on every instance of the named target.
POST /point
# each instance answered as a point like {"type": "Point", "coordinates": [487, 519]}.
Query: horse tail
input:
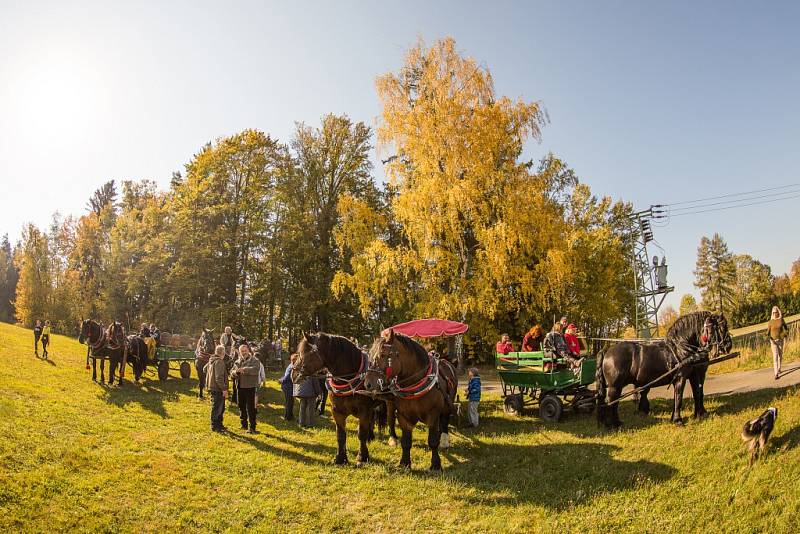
{"type": "Point", "coordinates": [600, 386]}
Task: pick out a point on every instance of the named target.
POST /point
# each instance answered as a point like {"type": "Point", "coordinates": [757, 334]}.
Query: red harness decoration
{"type": "Point", "coordinates": [420, 388]}
{"type": "Point", "coordinates": [344, 388]}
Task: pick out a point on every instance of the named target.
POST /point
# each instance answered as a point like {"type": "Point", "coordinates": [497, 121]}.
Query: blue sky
{"type": "Point", "coordinates": [649, 102]}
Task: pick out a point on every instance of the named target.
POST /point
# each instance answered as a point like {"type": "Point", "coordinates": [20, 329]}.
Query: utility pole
{"type": "Point", "coordinates": [650, 282]}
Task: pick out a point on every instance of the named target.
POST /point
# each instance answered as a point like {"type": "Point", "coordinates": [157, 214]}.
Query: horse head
{"type": "Point", "coordinates": [716, 336]}
{"type": "Point", "coordinates": [84, 335]}
{"type": "Point", "coordinates": [207, 344]}
{"type": "Point", "coordinates": [309, 360]}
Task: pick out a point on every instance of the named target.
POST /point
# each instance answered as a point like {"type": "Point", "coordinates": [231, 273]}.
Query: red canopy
{"type": "Point", "coordinates": [429, 328]}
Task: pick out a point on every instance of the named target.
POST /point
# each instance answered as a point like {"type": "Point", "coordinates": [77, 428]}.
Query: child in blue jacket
{"type": "Point", "coordinates": [473, 396]}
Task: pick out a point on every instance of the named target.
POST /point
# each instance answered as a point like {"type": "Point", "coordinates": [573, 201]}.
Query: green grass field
{"type": "Point", "coordinates": [75, 455]}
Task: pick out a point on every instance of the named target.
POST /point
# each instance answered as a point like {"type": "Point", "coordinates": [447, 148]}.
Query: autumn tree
{"type": "Point", "coordinates": [34, 286]}
{"type": "Point", "coordinates": [715, 274]}
{"type": "Point", "coordinates": [484, 235]}
{"type": "Point", "coordinates": [666, 318]}
{"type": "Point", "coordinates": [688, 304]}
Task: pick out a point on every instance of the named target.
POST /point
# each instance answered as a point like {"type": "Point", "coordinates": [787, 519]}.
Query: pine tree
{"type": "Point", "coordinates": [688, 304]}
{"type": "Point", "coordinates": [715, 274]}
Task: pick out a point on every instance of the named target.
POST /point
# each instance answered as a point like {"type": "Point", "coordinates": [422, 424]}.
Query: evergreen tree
{"type": "Point", "coordinates": [8, 281]}
{"type": "Point", "coordinates": [688, 304]}
{"type": "Point", "coordinates": [715, 274]}
{"type": "Point", "coordinates": [34, 286]}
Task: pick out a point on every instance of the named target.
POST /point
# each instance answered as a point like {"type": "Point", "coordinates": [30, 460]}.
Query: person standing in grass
{"type": "Point", "coordinates": [473, 396]}
{"type": "Point", "coordinates": [45, 338]}
{"type": "Point", "coordinates": [37, 335]}
{"type": "Point", "coordinates": [217, 386]}
{"type": "Point", "coordinates": [288, 390]}
{"type": "Point", "coordinates": [308, 390]}
{"type": "Point", "coordinates": [246, 370]}
{"type": "Point", "coordinates": [776, 332]}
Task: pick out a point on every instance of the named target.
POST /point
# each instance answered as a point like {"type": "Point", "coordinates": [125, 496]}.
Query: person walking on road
{"type": "Point", "coordinates": [37, 334]}
{"type": "Point", "coordinates": [217, 386]}
{"type": "Point", "coordinates": [776, 332]}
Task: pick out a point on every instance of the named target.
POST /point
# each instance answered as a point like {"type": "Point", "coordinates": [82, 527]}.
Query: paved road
{"type": "Point", "coordinates": [726, 384]}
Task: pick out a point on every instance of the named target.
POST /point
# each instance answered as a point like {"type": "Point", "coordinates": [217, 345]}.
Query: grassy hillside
{"type": "Point", "coordinates": [76, 455]}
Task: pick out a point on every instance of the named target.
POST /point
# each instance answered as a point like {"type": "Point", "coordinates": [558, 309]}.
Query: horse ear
{"type": "Point", "coordinates": [306, 336]}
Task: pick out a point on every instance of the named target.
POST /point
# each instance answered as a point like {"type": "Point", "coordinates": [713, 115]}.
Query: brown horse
{"type": "Point", "coordinates": [104, 344]}
{"type": "Point", "coordinates": [346, 364]}
{"type": "Point", "coordinates": [424, 389]}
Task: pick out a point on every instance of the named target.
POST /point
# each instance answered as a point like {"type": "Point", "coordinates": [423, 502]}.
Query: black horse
{"type": "Point", "coordinates": [347, 365]}
{"type": "Point", "coordinates": [691, 340]}
{"type": "Point", "coordinates": [137, 355]}
{"type": "Point", "coordinates": [424, 389]}
{"type": "Point", "coordinates": [103, 344]}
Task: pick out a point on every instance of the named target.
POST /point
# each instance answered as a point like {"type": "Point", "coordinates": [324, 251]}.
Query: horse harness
{"type": "Point", "coordinates": [339, 386]}
{"type": "Point", "coordinates": [428, 381]}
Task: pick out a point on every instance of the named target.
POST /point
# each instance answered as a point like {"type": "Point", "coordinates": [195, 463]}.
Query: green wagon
{"type": "Point", "coordinates": [174, 358]}
{"type": "Point", "coordinates": [532, 379]}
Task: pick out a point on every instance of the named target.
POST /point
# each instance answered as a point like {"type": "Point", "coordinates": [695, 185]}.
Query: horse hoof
{"type": "Point", "coordinates": [679, 422]}
{"type": "Point", "coordinates": [340, 461]}
{"type": "Point", "coordinates": [435, 469]}
{"type": "Point", "coordinates": [392, 442]}
{"type": "Point", "coordinates": [701, 415]}
{"type": "Point", "coordinates": [404, 465]}
{"type": "Point", "coordinates": [444, 441]}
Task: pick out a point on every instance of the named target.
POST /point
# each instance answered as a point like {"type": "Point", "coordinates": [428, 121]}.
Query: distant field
{"type": "Point", "coordinates": [76, 455]}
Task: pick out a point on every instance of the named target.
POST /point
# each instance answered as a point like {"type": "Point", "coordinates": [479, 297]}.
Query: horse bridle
{"type": "Point", "coordinates": [712, 329]}
{"type": "Point", "coordinates": [92, 345]}
{"type": "Point", "coordinates": [429, 376]}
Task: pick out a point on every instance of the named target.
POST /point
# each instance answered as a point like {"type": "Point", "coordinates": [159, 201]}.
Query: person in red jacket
{"type": "Point", "coordinates": [573, 344]}
{"type": "Point", "coordinates": [504, 346]}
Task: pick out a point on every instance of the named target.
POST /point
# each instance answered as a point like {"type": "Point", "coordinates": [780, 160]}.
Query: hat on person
{"type": "Point", "coordinates": [571, 326]}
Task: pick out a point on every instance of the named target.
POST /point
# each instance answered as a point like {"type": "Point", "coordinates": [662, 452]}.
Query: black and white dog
{"type": "Point", "coordinates": [756, 433]}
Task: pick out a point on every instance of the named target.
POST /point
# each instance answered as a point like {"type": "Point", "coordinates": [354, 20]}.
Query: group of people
{"type": "Point", "coordinates": [562, 341]}
{"type": "Point", "coordinates": [41, 333]}
{"type": "Point", "coordinates": [312, 393]}
{"type": "Point", "coordinates": [239, 364]}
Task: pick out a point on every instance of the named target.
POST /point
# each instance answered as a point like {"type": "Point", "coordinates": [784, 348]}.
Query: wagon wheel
{"type": "Point", "coordinates": [512, 404]}
{"type": "Point", "coordinates": [186, 370]}
{"type": "Point", "coordinates": [163, 370]}
{"type": "Point", "coordinates": [550, 408]}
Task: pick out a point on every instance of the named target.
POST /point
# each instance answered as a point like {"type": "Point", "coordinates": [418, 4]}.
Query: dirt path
{"type": "Point", "coordinates": [727, 384]}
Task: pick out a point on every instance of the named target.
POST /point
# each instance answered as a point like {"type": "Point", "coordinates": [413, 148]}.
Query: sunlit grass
{"type": "Point", "coordinates": [76, 455]}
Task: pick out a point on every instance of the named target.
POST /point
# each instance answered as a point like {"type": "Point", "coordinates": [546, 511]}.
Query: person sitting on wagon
{"type": "Point", "coordinates": [554, 343]}
{"type": "Point", "coordinates": [150, 343]}
{"type": "Point", "coordinates": [573, 355]}
{"type": "Point", "coordinates": [504, 346]}
{"type": "Point", "coordinates": [532, 341]}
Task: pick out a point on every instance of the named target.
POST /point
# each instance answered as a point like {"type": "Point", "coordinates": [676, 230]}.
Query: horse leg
{"type": "Point", "coordinates": [112, 370]}
{"type": "Point", "coordinates": [341, 439]}
{"type": "Point", "coordinates": [612, 420]}
{"type": "Point", "coordinates": [644, 405]}
{"type": "Point", "coordinates": [102, 370]}
{"type": "Point", "coordinates": [696, 381]}
{"type": "Point", "coordinates": [392, 415]}
{"type": "Point", "coordinates": [365, 424]}
{"type": "Point", "coordinates": [444, 431]}
{"type": "Point", "coordinates": [679, 385]}
{"type": "Point", "coordinates": [94, 369]}
{"type": "Point", "coordinates": [434, 438]}
{"type": "Point", "coordinates": [405, 445]}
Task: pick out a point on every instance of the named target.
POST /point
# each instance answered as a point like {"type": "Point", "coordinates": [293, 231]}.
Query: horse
{"type": "Point", "coordinates": [205, 349]}
{"type": "Point", "coordinates": [690, 340]}
{"type": "Point", "coordinates": [103, 344]}
{"type": "Point", "coordinates": [346, 365]}
{"type": "Point", "coordinates": [137, 355]}
{"type": "Point", "coordinates": [424, 389]}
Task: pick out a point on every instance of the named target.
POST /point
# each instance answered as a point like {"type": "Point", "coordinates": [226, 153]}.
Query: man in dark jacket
{"type": "Point", "coordinates": [308, 390]}
{"type": "Point", "coordinates": [217, 386]}
{"type": "Point", "coordinates": [246, 369]}
{"type": "Point", "coordinates": [288, 390]}
{"type": "Point", "coordinates": [37, 334]}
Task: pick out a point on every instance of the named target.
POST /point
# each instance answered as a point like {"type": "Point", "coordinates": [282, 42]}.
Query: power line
{"type": "Point", "coordinates": [735, 201]}
{"type": "Point", "coordinates": [727, 196]}
{"type": "Point", "coordinates": [669, 215]}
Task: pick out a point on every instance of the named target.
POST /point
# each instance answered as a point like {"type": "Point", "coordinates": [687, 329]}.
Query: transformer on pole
{"type": "Point", "coordinates": [650, 281]}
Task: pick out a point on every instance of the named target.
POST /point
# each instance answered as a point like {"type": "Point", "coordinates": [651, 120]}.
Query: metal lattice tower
{"type": "Point", "coordinates": [649, 294]}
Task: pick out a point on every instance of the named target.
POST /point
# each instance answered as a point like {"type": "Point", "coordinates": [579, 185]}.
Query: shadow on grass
{"type": "Point", "coordinates": [292, 455]}
{"type": "Point", "coordinates": [149, 394]}
{"type": "Point", "coordinates": [553, 475]}
{"type": "Point", "coordinates": [787, 441]}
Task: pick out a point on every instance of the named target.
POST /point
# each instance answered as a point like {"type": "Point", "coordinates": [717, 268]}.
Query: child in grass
{"type": "Point", "coordinates": [473, 396]}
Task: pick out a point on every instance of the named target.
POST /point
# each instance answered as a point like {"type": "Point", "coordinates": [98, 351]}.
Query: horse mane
{"type": "Point", "coordinates": [337, 344]}
{"type": "Point", "coordinates": [688, 326]}
{"type": "Point", "coordinates": [412, 346]}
